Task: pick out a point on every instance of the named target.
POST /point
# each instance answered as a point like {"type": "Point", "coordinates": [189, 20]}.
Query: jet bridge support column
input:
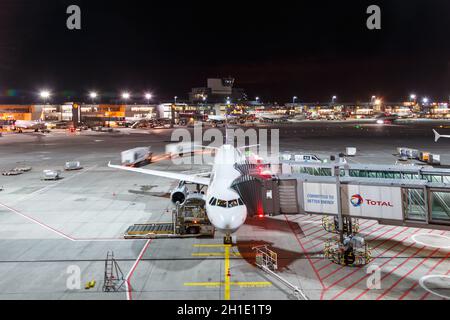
{"type": "Point", "coordinates": [337, 173]}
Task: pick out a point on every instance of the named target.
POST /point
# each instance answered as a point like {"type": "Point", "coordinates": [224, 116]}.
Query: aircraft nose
{"type": "Point", "coordinates": [234, 221]}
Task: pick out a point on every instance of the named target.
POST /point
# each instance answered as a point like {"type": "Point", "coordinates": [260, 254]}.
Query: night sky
{"type": "Point", "coordinates": [276, 49]}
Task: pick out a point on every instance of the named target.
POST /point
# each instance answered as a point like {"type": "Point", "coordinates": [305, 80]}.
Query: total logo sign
{"type": "Point", "coordinates": [357, 201]}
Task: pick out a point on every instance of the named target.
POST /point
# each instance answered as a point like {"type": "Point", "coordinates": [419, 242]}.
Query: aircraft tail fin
{"type": "Point", "coordinates": [437, 136]}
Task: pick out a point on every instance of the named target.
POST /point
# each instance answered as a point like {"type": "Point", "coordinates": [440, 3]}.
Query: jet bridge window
{"type": "Point", "coordinates": [415, 205]}
{"type": "Point", "coordinates": [440, 205]}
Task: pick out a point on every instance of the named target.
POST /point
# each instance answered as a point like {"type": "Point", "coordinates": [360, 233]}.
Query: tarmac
{"type": "Point", "coordinates": [49, 229]}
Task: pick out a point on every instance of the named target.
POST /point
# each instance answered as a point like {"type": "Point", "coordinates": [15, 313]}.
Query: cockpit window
{"type": "Point", "coordinates": [221, 203]}
{"type": "Point", "coordinates": [226, 204]}
{"type": "Point", "coordinates": [213, 201]}
{"type": "Point", "coordinates": [233, 203]}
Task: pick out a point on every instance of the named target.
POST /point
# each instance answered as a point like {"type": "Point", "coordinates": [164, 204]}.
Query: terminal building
{"type": "Point", "coordinates": [71, 111]}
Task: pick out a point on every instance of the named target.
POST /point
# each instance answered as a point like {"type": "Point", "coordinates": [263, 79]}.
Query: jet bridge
{"type": "Point", "coordinates": [402, 202]}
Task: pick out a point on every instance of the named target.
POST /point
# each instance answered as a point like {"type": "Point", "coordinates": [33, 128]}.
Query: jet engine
{"type": "Point", "coordinates": [179, 195]}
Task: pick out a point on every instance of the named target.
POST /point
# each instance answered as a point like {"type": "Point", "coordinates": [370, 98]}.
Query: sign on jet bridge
{"type": "Point", "coordinates": [320, 198]}
{"type": "Point", "coordinates": [373, 202]}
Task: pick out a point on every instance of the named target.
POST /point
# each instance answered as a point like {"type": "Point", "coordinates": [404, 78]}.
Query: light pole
{"type": "Point", "coordinates": [126, 96]}
{"type": "Point", "coordinates": [45, 95]}
{"type": "Point", "coordinates": [148, 97]}
{"type": "Point", "coordinates": [93, 95]}
{"type": "Point", "coordinates": [172, 113]}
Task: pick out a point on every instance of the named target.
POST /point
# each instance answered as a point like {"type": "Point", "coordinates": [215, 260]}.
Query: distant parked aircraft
{"type": "Point", "coordinates": [21, 125]}
{"type": "Point", "coordinates": [437, 136]}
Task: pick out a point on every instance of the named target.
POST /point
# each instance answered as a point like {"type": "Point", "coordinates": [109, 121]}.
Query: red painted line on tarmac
{"type": "Point", "coordinates": [373, 231]}
{"type": "Point", "coordinates": [311, 227]}
{"type": "Point", "coordinates": [382, 234]}
{"type": "Point", "coordinates": [390, 272]}
{"type": "Point", "coordinates": [341, 267]}
{"type": "Point", "coordinates": [428, 293]}
{"type": "Point", "coordinates": [317, 244]}
{"type": "Point", "coordinates": [326, 266]}
{"type": "Point", "coordinates": [408, 273]}
{"type": "Point", "coordinates": [333, 272]}
{"type": "Point", "coordinates": [317, 237]}
{"type": "Point", "coordinates": [307, 219]}
{"type": "Point", "coordinates": [390, 238]}
{"type": "Point", "coordinates": [429, 272]}
{"type": "Point", "coordinates": [365, 276]}
{"type": "Point", "coordinates": [321, 229]}
{"type": "Point", "coordinates": [304, 251]}
{"type": "Point", "coordinates": [133, 268]}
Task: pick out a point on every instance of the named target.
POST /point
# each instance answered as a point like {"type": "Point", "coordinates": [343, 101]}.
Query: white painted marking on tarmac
{"type": "Point", "coordinates": [59, 232]}
{"type": "Point", "coordinates": [37, 222]}
{"type": "Point", "coordinates": [440, 277]}
{"type": "Point", "coordinates": [432, 245]}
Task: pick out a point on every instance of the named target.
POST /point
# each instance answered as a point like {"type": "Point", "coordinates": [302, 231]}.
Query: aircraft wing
{"type": "Point", "coordinates": [165, 174]}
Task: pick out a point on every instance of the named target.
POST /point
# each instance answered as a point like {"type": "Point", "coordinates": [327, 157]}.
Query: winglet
{"type": "Point", "coordinates": [437, 136]}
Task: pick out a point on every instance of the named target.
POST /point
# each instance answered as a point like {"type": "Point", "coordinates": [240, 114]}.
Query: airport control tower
{"type": "Point", "coordinates": [218, 90]}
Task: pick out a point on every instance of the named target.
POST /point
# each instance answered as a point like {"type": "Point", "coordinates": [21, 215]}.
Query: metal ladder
{"type": "Point", "coordinates": [114, 279]}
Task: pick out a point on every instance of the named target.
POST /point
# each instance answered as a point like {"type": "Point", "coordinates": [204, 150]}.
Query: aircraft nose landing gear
{"type": "Point", "coordinates": [229, 239]}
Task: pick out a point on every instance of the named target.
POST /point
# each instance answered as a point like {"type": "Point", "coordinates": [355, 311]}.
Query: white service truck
{"type": "Point", "coordinates": [183, 148]}
{"type": "Point", "coordinates": [137, 156]}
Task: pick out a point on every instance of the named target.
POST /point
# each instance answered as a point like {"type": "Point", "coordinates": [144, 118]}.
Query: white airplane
{"type": "Point", "coordinates": [224, 207]}
{"type": "Point", "coordinates": [272, 117]}
{"type": "Point", "coordinates": [29, 125]}
{"type": "Point", "coordinates": [437, 136]}
{"type": "Point", "coordinates": [214, 118]}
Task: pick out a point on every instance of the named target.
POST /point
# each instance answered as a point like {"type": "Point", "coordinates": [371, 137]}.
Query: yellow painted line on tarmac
{"type": "Point", "coordinates": [252, 284]}
{"type": "Point", "coordinates": [203, 284]}
{"type": "Point", "coordinates": [208, 254]}
{"type": "Point", "coordinates": [215, 254]}
{"type": "Point", "coordinates": [227, 273]}
{"type": "Point", "coordinates": [219, 284]}
{"type": "Point", "coordinates": [211, 245]}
